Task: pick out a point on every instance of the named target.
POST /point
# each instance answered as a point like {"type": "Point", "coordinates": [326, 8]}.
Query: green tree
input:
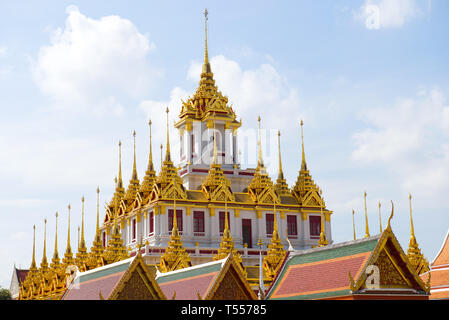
{"type": "Point", "coordinates": [5, 294]}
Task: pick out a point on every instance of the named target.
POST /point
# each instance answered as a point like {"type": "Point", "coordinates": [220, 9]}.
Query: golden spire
{"type": "Point", "coordinates": [161, 154]}
{"type": "Point", "coordinates": [380, 219]}
{"type": "Point", "coordinates": [82, 244]}
{"type": "Point", "coordinates": [150, 157]}
{"type": "Point", "coordinates": [134, 175]}
{"type": "Point", "coordinates": [416, 258]}
{"type": "Point", "coordinates": [120, 181]}
{"type": "Point", "coordinates": [281, 186]}
{"type": "Point", "coordinates": [303, 162]}
{"type": "Point", "coordinates": [134, 183]}
{"type": "Point", "coordinates": [97, 230]}
{"type": "Point", "coordinates": [281, 173]}
{"type": "Point", "coordinates": [367, 235]}
{"type": "Point", "coordinates": [412, 229]}
{"type": "Point", "coordinates": [353, 223]}
{"type": "Point", "coordinates": [304, 183]}
{"type": "Point", "coordinates": [44, 263]}
{"type": "Point", "coordinates": [167, 151]}
{"type": "Point", "coordinates": [323, 240]}
{"type": "Point", "coordinates": [260, 160]}
{"type": "Point", "coordinates": [175, 256]}
{"type": "Point", "coordinates": [206, 64]}
{"type": "Point", "coordinates": [33, 261]}
{"type": "Point", "coordinates": [276, 252]}
{"type": "Point", "coordinates": [55, 260]}
{"type": "Point", "coordinates": [68, 256]}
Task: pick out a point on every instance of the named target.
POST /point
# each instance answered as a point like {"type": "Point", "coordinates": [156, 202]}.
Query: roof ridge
{"type": "Point", "coordinates": [334, 246]}
{"type": "Point", "coordinates": [197, 266]}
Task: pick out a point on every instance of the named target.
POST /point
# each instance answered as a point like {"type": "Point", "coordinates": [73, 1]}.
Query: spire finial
{"type": "Point", "coordinates": [44, 255]}
{"type": "Point", "coordinates": [33, 261]}
{"type": "Point", "coordinates": [206, 64]}
{"type": "Point", "coordinates": [412, 229]}
{"type": "Point", "coordinates": [303, 162]}
{"type": "Point", "coordinates": [161, 153]}
{"type": "Point", "coordinates": [55, 255]}
{"type": "Point", "coordinates": [281, 173]}
{"type": "Point", "coordinates": [68, 232]}
{"type": "Point", "coordinates": [98, 209]}
{"type": "Point", "coordinates": [260, 160]}
{"type": "Point", "coordinates": [167, 151]}
{"type": "Point", "coordinates": [353, 223]}
{"type": "Point", "coordinates": [120, 181]}
{"type": "Point", "coordinates": [82, 222]}
{"type": "Point", "coordinates": [380, 219]}
{"type": "Point", "coordinates": [134, 175]}
{"type": "Point", "coordinates": [367, 235]}
{"type": "Point", "coordinates": [150, 160]}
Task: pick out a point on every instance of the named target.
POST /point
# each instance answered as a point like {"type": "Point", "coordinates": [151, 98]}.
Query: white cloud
{"type": "Point", "coordinates": [411, 138]}
{"type": "Point", "coordinates": [377, 14]}
{"type": "Point", "coordinates": [92, 63]}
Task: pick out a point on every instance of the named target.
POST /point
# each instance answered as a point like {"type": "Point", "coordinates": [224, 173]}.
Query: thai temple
{"type": "Point", "coordinates": [206, 228]}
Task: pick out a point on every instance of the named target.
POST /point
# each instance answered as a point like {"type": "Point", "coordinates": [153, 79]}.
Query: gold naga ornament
{"type": "Point", "coordinates": [175, 256]}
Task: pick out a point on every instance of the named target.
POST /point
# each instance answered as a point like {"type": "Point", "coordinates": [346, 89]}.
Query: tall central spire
{"type": "Point", "coordinates": [206, 64]}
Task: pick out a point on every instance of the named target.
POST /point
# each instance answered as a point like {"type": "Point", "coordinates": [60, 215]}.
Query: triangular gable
{"type": "Point", "coordinates": [221, 193]}
{"type": "Point", "coordinates": [137, 284]}
{"type": "Point", "coordinates": [230, 284]}
{"type": "Point", "coordinates": [387, 268]}
{"type": "Point", "coordinates": [312, 199]}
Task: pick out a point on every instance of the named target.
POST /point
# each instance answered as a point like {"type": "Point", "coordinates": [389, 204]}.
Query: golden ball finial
{"type": "Point", "coordinates": [69, 206]}
{"type": "Point", "coordinates": [149, 122]}
{"type": "Point", "coordinates": [134, 133]}
{"type": "Point", "coordinates": [45, 220]}
{"type": "Point", "coordinates": [410, 196]}
{"type": "Point", "coordinates": [98, 189]}
{"type": "Point", "coordinates": [258, 118]}
{"type": "Point", "coordinates": [166, 110]}
{"type": "Point", "coordinates": [56, 214]}
{"type": "Point", "coordinates": [119, 143]}
{"type": "Point", "coordinates": [279, 133]}
{"type": "Point", "coordinates": [82, 199]}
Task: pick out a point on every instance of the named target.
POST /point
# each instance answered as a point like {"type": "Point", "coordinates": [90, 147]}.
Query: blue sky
{"type": "Point", "coordinates": [369, 78]}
